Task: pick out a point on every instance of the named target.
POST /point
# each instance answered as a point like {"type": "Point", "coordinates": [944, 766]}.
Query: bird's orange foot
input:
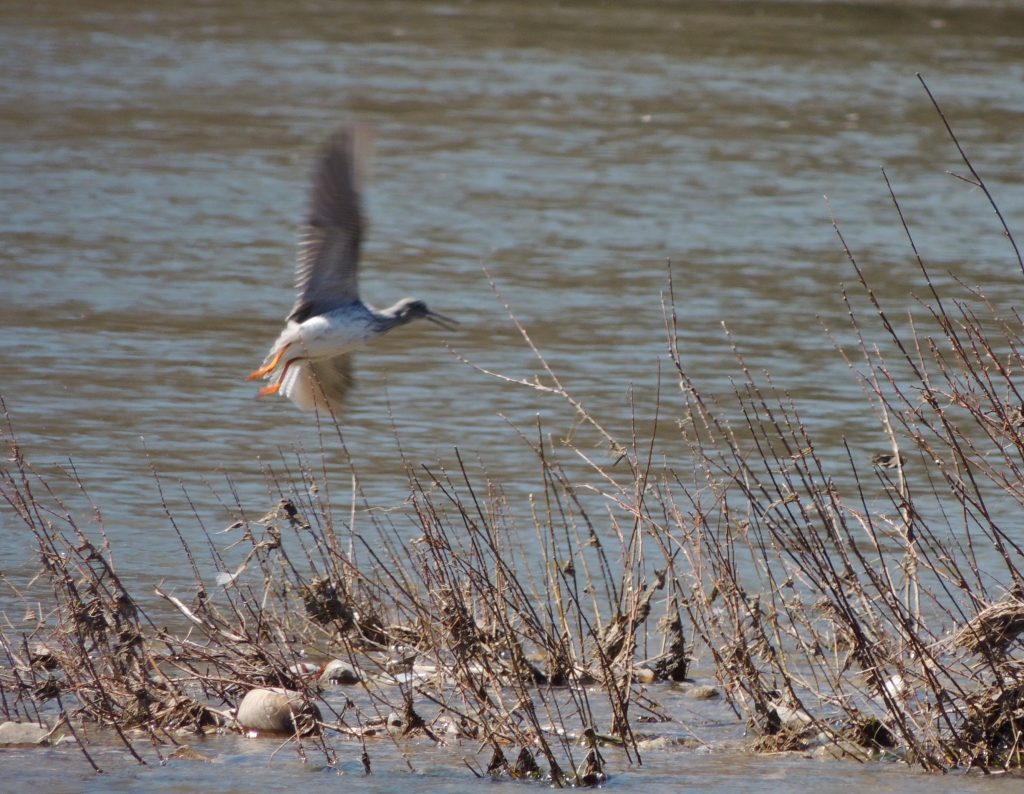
{"type": "Point", "coordinates": [269, 366]}
{"type": "Point", "coordinates": [273, 388]}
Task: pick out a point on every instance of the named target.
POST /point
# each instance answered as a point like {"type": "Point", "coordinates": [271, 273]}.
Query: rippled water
{"type": "Point", "coordinates": [154, 171]}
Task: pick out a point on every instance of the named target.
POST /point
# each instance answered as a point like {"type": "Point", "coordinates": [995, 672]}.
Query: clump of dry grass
{"type": "Point", "coordinates": [441, 636]}
{"type": "Point", "coordinates": [863, 610]}
{"type": "Point", "coordinates": [991, 632]}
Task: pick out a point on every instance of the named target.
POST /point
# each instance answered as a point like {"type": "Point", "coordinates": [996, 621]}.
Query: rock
{"type": "Point", "coordinates": [12, 733]}
{"type": "Point", "coordinates": [459, 728]}
{"type": "Point", "coordinates": [896, 688]}
{"type": "Point", "coordinates": [41, 655]}
{"type": "Point", "coordinates": [339, 672]}
{"type": "Point", "coordinates": [791, 719]}
{"type": "Point", "coordinates": [304, 669]}
{"type": "Point", "coordinates": [842, 749]}
{"type": "Point", "coordinates": [275, 710]}
{"type": "Point", "coordinates": [702, 692]}
{"type": "Point", "coordinates": [400, 659]}
{"type": "Point", "coordinates": [667, 743]}
{"type": "Point", "coordinates": [188, 753]}
{"type": "Point", "coordinates": [395, 724]}
{"type": "Point", "coordinates": [657, 743]}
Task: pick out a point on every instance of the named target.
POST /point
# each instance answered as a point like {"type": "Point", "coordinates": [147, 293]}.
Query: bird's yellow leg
{"type": "Point", "coordinates": [275, 387]}
{"type": "Point", "coordinates": [269, 367]}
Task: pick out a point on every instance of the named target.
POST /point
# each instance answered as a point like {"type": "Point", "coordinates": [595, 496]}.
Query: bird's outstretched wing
{"type": "Point", "coordinates": [327, 272]}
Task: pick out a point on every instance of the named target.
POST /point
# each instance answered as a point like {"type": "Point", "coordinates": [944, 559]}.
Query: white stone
{"type": "Point", "coordinates": [271, 710]}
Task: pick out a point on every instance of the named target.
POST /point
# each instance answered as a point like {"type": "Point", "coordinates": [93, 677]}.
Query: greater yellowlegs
{"type": "Point", "coordinates": [311, 361]}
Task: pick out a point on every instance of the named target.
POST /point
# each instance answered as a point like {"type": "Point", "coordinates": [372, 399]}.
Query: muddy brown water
{"type": "Point", "coordinates": [153, 169]}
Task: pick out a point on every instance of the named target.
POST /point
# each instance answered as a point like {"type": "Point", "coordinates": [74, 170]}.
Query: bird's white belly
{"type": "Point", "coordinates": [326, 337]}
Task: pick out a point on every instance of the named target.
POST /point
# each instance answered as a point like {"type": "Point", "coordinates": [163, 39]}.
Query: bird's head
{"type": "Point", "coordinates": [409, 309]}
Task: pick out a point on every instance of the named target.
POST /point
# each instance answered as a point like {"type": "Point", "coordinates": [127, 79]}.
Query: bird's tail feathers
{"type": "Point", "coordinates": [319, 384]}
{"type": "Point", "coordinates": [300, 387]}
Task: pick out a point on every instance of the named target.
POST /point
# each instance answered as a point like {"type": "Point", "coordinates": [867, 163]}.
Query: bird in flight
{"type": "Point", "coordinates": [311, 361]}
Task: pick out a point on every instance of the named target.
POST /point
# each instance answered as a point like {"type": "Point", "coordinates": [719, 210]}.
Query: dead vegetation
{"type": "Point", "coordinates": [871, 609]}
{"type": "Point", "coordinates": [439, 636]}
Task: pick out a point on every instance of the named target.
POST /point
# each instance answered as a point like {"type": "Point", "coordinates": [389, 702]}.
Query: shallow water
{"type": "Point", "coordinates": [154, 171]}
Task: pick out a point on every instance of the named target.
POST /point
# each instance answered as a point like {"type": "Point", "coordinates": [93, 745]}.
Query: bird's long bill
{"type": "Point", "coordinates": [439, 319]}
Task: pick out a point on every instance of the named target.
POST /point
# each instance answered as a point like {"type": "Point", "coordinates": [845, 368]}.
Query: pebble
{"type": "Point", "coordinates": [12, 733]}
{"type": "Point", "coordinates": [338, 672]}
{"type": "Point", "coordinates": [270, 710]}
{"type": "Point", "coordinates": [842, 749]}
{"type": "Point", "coordinates": [189, 753]}
{"type": "Point", "coordinates": [702, 692]}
